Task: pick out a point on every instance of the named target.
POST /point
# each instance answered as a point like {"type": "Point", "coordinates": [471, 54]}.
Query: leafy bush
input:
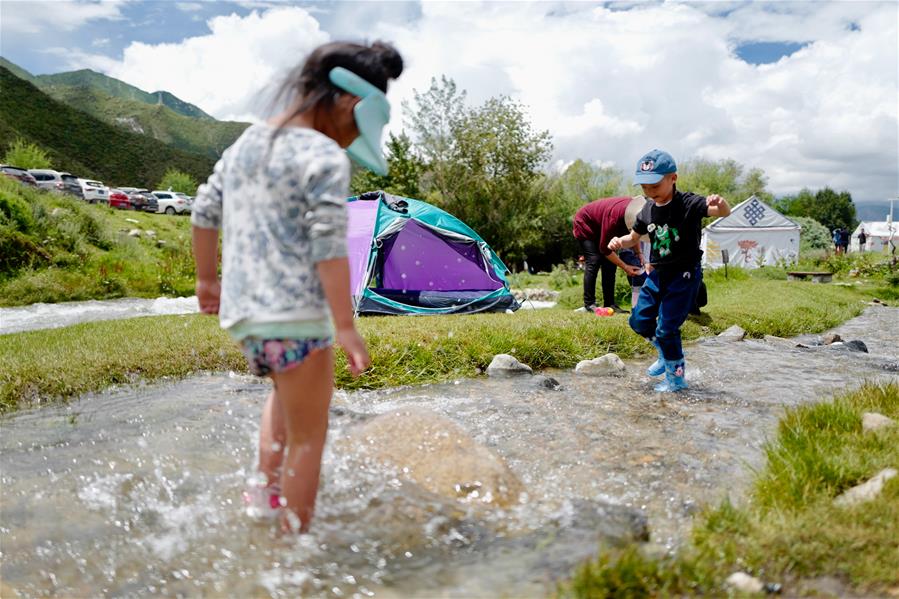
{"type": "Point", "coordinates": [176, 180]}
{"type": "Point", "coordinates": [26, 155]}
{"type": "Point", "coordinates": [814, 235]}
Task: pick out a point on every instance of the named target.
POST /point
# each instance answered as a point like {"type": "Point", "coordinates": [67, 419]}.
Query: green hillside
{"type": "Point", "coordinates": [134, 110]}
{"type": "Point", "coordinates": [209, 138]}
{"type": "Point", "coordinates": [84, 145]}
{"type": "Point", "coordinates": [120, 89]}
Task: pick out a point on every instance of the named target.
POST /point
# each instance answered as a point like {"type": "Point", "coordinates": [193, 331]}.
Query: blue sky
{"type": "Point", "coordinates": [806, 91]}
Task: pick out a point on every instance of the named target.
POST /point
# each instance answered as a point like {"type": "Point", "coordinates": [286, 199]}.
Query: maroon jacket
{"type": "Point", "coordinates": [601, 220]}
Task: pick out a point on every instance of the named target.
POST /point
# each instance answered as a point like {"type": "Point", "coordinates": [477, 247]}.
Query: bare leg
{"type": "Point", "coordinates": [304, 393]}
{"type": "Point", "coordinates": [272, 439]}
{"type": "Point", "coordinates": [635, 293]}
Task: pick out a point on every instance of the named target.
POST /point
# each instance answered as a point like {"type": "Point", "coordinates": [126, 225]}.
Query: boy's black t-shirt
{"type": "Point", "coordinates": [675, 230]}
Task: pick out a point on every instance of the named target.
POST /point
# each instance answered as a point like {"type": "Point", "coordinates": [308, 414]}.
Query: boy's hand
{"type": "Point", "coordinates": [354, 347]}
{"type": "Point", "coordinates": [209, 293]}
{"type": "Point", "coordinates": [615, 244]}
{"type": "Point", "coordinates": [714, 200]}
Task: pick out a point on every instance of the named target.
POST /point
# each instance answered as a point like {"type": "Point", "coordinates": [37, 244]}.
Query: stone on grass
{"type": "Point", "coordinates": [872, 421]}
{"type": "Point", "coordinates": [506, 365]}
{"type": "Point", "coordinates": [131, 220]}
{"type": "Point", "coordinates": [734, 333]}
{"type": "Point", "coordinates": [134, 232]}
{"type": "Point", "coordinates": [607, 365]}
{"type": "Point", "coordinates": [150, 233]}
{"type": "Point", "coordinates": [865, 491]}
{"type": "Point", "coordinates": [830, 338]}
{"type": "Point", "coordinates": [742, 581]}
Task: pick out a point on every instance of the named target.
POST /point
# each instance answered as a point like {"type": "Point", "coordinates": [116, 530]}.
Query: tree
{"type": "Point", "coordinates": [176, 180]}
{"type": "Point", "coordinates": [831, 209]}
{"type": "Point", "coordinates": [493, 167]}
{"type": "Point", "coordinates": [706, 177]}
{"type": "Point", "coordinates": [404, 171]}
{"type": "Point", "coordinates": [26, 155]}
{"type": "Point", "coordinates": [433, 118]}
{"type": "Point", "coordinates": [753, 184]}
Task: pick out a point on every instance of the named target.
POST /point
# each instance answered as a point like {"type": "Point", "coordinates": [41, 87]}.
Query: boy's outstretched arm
{"type": "Point", "coordinates": [717, 205]}
{"type": "Point", "coordinates": [625, 241]}
{"type": "Point", "coordinates": [206, 247]}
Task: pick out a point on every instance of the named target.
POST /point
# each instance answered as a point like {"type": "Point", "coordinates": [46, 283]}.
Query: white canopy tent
{"type": "Point", "coordinates": [877, 234]}
{"type": "Point", "coordinates": [754, 235]}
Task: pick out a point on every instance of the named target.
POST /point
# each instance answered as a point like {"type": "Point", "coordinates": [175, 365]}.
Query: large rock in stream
{"type": "Point", "coordinates": [437, 454]}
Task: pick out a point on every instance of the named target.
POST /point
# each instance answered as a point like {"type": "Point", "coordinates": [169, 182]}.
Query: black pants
{"type": "Point", "coordinates": [595, 262]}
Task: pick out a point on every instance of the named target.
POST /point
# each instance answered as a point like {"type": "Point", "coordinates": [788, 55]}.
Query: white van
{"type": "Point", "coordinates": [94, 191]}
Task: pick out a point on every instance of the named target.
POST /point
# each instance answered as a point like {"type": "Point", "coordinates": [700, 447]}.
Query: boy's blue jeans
{"type": "Point", "coordinates": [663, 306]}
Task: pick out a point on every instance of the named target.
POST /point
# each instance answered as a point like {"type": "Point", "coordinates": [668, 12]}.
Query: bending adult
{"type": "Point", "coordinates": [595, 225]}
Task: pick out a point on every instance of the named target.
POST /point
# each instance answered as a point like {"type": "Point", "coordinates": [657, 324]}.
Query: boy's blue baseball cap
{"type": "Point", "coordinates": [653, 166]}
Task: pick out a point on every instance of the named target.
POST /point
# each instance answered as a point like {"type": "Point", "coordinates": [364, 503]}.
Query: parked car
{"type": "Point", "coordinates": [171, 203]}
{"type": "Point", "coordinates": [58, 181]}
{"type": "Point", "coordinates": [94, 191]}
{"type": "Point", "coordinates": [141, 199]}
{"type": "Point", "coordinates": [119, 199]}
{"type": "Point", "coordinates": [19, 174]}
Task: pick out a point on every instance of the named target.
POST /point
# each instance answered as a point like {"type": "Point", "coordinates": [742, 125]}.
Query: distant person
{"type": "Point", "coordinates": [279, 195]}
{"type": "Point", "coordinates": [595, 224]}
{"type": "Point", "coordinates": [844, 239]}
{"type": "Point", "coordinates": [837, 241]}
{"type": "Point", "coordinates": [862, 240]}
{"type": "Point", "coordinates": [673, 221]}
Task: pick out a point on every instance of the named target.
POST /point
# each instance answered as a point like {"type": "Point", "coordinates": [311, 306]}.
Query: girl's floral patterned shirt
{"type": "Point", "coordinates": [279, 199]}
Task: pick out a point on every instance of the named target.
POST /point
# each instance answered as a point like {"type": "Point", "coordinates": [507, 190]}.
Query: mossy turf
{"type": "Point", "coordinates": [62, 363]}
{"type": "Point", "coordinates": [789, 531]}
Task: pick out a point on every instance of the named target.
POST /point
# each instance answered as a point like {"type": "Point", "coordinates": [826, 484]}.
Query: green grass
{"type": "Point", "coordinates": [789, 530]}
{"type": "Point", "coordinates": [63, 363]}
{"type": "Point", "coordinates": [55, 248]}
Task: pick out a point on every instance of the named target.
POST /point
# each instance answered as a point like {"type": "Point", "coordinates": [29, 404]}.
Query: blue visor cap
{"type": "Point", "coordinates": [653, 166]}
{"type": "Point", "coordinates": [371, 114]}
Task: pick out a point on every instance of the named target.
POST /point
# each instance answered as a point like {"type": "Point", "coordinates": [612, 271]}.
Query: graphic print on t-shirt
{"type": "Point", "coordinates": [663, 238]}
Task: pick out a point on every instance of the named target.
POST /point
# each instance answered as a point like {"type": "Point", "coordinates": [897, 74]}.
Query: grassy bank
{"type": "Point", "coordinates": [63, 363]}
{"type": "Point", "coordinates": [55, 248]}
{"type": "Point", "coordinates": [789, 531]}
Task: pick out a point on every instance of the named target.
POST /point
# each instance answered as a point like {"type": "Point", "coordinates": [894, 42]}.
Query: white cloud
{"type": "Point", "coordinates": [224, 72]}
{"type": "Point", "coordinates": [189, 6]}
{"type": "Point", "coordinates": [34, 16]}
{"type": "Point", "coordinates": [608, 83]}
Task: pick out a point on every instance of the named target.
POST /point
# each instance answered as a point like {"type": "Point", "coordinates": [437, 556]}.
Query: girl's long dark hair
{"type": "Point", "coordinates": [376, 63]}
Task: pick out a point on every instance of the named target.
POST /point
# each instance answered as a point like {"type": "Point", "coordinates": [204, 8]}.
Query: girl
{"type": "Point", "coordinates": [278, 195]}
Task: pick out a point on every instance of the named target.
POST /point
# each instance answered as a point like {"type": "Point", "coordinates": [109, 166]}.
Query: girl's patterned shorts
{"type": "Point", "coordinates": [266, 356]}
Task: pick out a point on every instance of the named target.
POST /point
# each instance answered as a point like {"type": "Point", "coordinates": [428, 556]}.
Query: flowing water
{"type": "Point", "coordinates": [51, 316]}
{"type": "Point", "coordinates": [136, 491]}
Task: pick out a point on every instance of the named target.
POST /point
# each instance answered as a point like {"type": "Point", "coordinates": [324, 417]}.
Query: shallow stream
{"type": "Point", "coordinates": [136, 491]}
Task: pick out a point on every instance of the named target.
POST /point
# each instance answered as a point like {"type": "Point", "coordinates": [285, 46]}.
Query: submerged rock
{"type": "Point", "coordinates": [856, 345]}
{"type": "Point", "coordinates": [866, 491]}
{"type": "Point", "coordinates": [734, 333]}
{"type": "Point", "coordinates": [872, 421]}
{"type": "Point", "coordinates": [830, 338]}
{"type": "Point", "coordinates": [546, 382]}
{"type": "Point", "coordinates": [439, 455]}
{"type": "Point", "coordinates": [506, 365]}
{"type": "Point", "coordinates": [607, 365]}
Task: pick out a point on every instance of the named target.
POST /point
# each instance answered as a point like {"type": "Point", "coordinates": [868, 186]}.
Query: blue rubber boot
{"type": "Point", "coordinates": [657, 368]}
{"type": "Point", "coordinates": [674, 377]}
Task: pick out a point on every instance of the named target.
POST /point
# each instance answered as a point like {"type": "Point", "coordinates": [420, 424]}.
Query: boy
{"type": "Point", "coordinates": [673, 221]}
